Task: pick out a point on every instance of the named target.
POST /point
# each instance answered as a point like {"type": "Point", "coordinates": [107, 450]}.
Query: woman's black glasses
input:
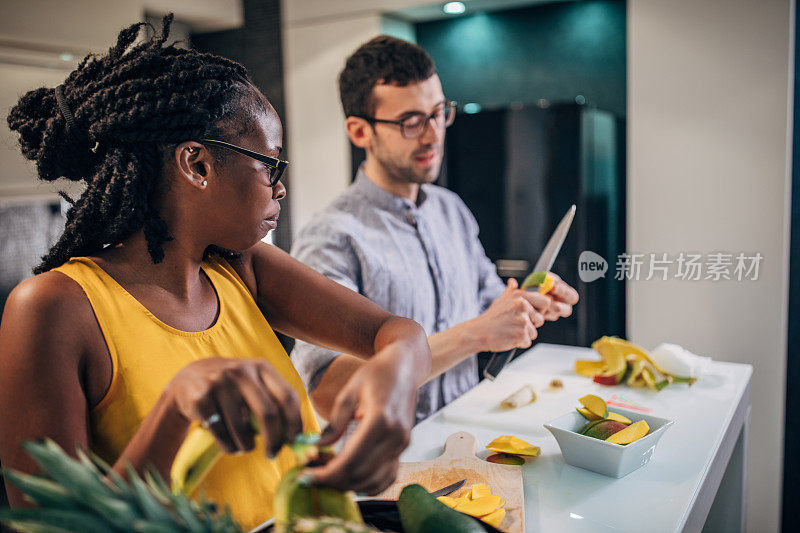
{"type": "Point", "coordinates": [277, 166]}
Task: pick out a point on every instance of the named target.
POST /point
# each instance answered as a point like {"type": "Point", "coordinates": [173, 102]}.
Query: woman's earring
{"type": "Point", "coordinates": [203, 183]}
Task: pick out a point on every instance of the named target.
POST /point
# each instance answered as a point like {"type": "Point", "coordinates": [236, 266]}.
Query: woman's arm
{"type": "Point", "coordinates": [51, 349]}
{"type": "Point", "coordinates": [42, 355]}
{"type": "Point", "coordinates": [380, 394]}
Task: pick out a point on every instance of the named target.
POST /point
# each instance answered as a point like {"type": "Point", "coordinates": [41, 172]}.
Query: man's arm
{"type": "Point", "coordinates": [510, 322]}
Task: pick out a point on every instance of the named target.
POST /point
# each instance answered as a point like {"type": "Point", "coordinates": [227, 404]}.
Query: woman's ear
{"type": "Point", "coordinates": [359, 131]}
{"type": "Point", "coordinates": [194, 163]}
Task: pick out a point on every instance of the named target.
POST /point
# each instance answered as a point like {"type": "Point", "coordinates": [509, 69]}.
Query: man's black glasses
{"type": "Point", "coordinates": [414, 126]}
{"type": "Point", "coordinates": [277, 166]}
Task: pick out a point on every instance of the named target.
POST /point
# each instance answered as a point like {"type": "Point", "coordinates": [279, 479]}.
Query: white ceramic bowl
{"type": "Point", "coordinates": [603, 457]}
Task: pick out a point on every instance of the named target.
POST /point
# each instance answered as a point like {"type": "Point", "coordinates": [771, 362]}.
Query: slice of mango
{"type": "Point", "coordinates": [635, 431]}
{"type": "Point", "coordinates": [595, 404]}
{"type": "Point", "coordinates": [606, 345]}
{"type": "Point", "coordinates": [466, 495]}
{"type": "Point", "coordinates": [495, 518]}
{"type": "Point", "coordinates": [589, 368]}
{"type": "Point", "coordinates": [544, 280]}
{"type": "Point", "coordinates": [480, 490]}
{"type": "Point", "coordinates": [587, 414]}
{"type": "Point", "coordinates": [513, 445]}
{"type": "Point", "coordinates": [479, 506]}
{"type": "Point", "coordinates": [448, 501]}
{"type": "Point", "coordinates": [619, 418]}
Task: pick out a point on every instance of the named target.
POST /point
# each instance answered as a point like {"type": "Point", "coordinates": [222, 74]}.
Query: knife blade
{"type": "Point", "coordinates": [449, 488]}
{"type": "Point", "coordinates": [545, 262]}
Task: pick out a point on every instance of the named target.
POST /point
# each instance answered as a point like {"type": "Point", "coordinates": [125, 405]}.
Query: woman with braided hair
{"type": "Point", "coordinates": [154, 309]}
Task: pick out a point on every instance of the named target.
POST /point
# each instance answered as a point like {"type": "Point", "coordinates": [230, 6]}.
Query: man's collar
{"type": "Point", "coordinates": [383, 198]}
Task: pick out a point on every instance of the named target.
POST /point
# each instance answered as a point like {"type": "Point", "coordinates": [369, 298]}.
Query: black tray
{"type": "Point", "coordinates": [383, 515]}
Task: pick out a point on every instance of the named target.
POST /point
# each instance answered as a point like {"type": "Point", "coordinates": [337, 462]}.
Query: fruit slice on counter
{"type": "Point", "coordinates": [495, 518]}
{"type": "Point", "coordinates": [619, 418]}
{"type": "Point", "coordinates": [635, 431]}
{"type": "Point", "coordinates": [544, 280]}
{"type": "Point", "coordinates": [506, 459]}
{"type": "Point", "coordinates": [589, 368]}
{"type": "Point", "coordinates": [513, 445]}
{"type": "Point", "coordinates": [595, 405]}
{"type": "Point", "coordinates": [634, 376]}
{"type": "Point", "coordinates": [614, 371]}
{"type": "Point", "coordinates": [523, 396]}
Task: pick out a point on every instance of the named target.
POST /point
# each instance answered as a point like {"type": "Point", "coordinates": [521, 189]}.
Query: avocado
{"type": "Point", "coordinates": [420, 512]}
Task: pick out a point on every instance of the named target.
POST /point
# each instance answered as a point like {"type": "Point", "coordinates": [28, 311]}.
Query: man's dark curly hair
{"type": "Point", "coordinates": [131, 108]}
{"type": "Point", "coordinates": [383, 60]}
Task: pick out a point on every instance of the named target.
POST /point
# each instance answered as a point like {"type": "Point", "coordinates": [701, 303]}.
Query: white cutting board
{"type": "Point", "coordinates": [481, 405]}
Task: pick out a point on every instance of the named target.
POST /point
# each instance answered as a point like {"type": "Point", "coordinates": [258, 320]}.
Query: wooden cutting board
{"type": "Point", "coordinates": [459, 462]}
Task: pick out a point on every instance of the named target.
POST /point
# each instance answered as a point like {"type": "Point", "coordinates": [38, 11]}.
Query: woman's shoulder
{"type": "Point", "coordinates": [51, 298]}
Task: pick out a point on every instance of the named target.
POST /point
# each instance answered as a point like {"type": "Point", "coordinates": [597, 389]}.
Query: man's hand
{"type": "Point", "coordinates": [382, 397]}
{"type": "Point", "coordinates": [511, 320]}
{"type": "Point", "coordinates": [562, 298]}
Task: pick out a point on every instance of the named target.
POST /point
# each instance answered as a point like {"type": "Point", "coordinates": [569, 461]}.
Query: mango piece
{"type": "Point", "coordinates": [587, 414]}
{"type": "Point", "coordinates": [589, 425]}
{"type": "Point", "coordinates": [604, 429]}
{"type": "Point", "coordinates": [649, 378]}
{"type": "Point", "coordinates": [589, 368]}
{"type": "Point", "coordinates": [479, 506]}
{"type": "Point", "coordinates": [606, 345]}
{"type": "Point", "coordinates": [595, 404]}
{"type": "Point", "coordinates": [448, 501]}
{"type": "Point", "coordinates": [495, 518]}
{"type": "Point", "coordinates": [637, 365]}
{"type": "Point", "coordinates": [514, 446]}
{"type": "Point", "coordinates": [480, 490]}
{"type": "Point", "coordinates": [619, 418]}
{"type": "Point", "coordinates": [635, 431]}
{"type": "Point", "coordinates": [506, 459]}
{"type": "Point", "coordinates": [544, 280]}
{"type": "Point", "coordinates": [466, 495]}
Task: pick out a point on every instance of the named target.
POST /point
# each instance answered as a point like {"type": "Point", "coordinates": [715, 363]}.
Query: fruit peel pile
{"type": "Point", "coordinates": [478, 502]}
{"type": "Point", "coordinates": [608, 426]}
{"type": "Point", "coordinates": [625, 362]}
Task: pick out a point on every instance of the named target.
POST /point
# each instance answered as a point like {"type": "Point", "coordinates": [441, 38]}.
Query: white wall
{"type": "Point", "coordinates": [318, 36]}
{"type": "Point", "coordinates": [707, 127]}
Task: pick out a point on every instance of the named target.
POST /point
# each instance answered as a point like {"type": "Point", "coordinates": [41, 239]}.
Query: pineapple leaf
{"type": "Point", "coordinates": [79, 498]}
{"type": "Point", "coordinates": [54, 520]}
{"type": "Point", "coordinates": [150, 506]}
{"type": "Point", "coordinates": [41, 491]}
{"type": "Point", "coordinates": [77, 479]}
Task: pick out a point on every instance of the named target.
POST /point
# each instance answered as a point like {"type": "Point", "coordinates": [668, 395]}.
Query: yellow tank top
{"type": "Point", "coordinates": [146, 353]}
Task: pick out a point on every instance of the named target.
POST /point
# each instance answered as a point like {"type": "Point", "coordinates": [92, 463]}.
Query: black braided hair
{"type": "Point", "coordinates": [130, 108]}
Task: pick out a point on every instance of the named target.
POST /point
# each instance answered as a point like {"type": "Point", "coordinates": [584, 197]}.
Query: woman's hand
{"type": "Point", "coordinates": [381, 396]}
{"type": "Point", "coordinates": [221, 393]}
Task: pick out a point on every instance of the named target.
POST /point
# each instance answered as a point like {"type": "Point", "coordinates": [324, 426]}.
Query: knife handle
{"type": "Point", "coordinates": [497, 362]}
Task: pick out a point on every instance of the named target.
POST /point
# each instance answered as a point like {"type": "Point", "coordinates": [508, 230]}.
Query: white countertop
{"type": "Point", "coordinates": [662, 495]}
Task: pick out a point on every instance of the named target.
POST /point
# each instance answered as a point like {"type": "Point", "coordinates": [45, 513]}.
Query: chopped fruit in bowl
{"type": "Point", "coordinates": [613, 445]}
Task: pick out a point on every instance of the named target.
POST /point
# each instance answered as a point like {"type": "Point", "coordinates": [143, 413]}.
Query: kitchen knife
{"type": "Point", "coordinates": [499, 360]}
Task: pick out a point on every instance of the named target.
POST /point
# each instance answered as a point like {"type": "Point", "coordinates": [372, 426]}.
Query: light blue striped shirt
{"type": "Point", "coordinates": [421, 261]}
